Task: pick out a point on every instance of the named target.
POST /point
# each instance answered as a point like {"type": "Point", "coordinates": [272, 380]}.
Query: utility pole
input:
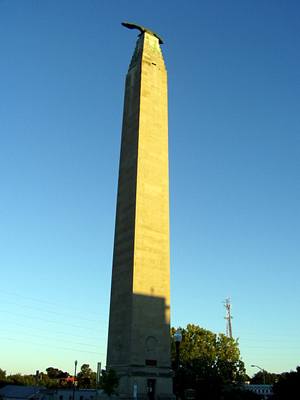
{"type": "Point", "coordinates": [74, 382]}
{"type": "Point", "coordinates": [228, 317]}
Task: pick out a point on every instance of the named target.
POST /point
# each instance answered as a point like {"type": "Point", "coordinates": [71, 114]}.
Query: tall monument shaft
{"type": "Point", "coordinates": [139, 326]}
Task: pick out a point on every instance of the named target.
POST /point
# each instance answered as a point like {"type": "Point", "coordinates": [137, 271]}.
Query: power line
{"type": "Point", "coordinates": [38, 328]}
{"type": "Point", "coordinates": [56, 347]}
{"type": "Point", "coordinates": [30, 298]}
{"type": "Point", "coordinates": [43, 319]}
{"type": "Point", "coordinates": [49, 311]}
{"type": "Point", "coordinates": [36, 299]}
{"type": "Point", "coordinates": [47, 338]}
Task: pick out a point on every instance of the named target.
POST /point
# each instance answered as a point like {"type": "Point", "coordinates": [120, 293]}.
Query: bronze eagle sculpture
{"type": "Point", "coordinates": [142, 29]}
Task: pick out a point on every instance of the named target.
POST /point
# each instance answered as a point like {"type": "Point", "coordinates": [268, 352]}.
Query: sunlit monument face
{"type": "Point", "coordinates": [139, 331]}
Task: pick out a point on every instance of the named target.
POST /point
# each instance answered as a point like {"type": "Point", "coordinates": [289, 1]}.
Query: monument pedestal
{"type": "Point", "coordinates": [143, 384]}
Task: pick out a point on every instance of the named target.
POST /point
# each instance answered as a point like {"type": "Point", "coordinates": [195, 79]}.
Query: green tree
{"type": "Point", "coordinates": [208, 362]}
{"type": "Point", "coordinates": [19, 379]}
{"type": "Point", "coordinates": [3, 379]}
{"type": "Point", "coordinates": [288, 385]}
{"type": "Point", "coordinates": [49, 383]}
{"type": "Point", "coordinates": [2, 375]}
{"type": "Point", "coordinates": [54, 373]}
{"type": "Point", "coordinates": [55, 378]}
{"type": "Point", "coordinates": [86, 377]}
{"type": "Point", "coordinates": [109, 381]}
{"type": "Point", "coordinates": [264, 377]}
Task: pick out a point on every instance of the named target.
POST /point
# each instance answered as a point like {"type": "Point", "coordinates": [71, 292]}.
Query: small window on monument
{"type": "Point", "coordinates": [152, 363]}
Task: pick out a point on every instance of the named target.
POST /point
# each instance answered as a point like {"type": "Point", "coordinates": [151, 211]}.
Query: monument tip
{"type": "Point", "coordinates": [142, 29]}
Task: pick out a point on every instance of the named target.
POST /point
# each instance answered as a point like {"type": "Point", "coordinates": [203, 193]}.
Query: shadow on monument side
{"type": "Point", "coordinates": [141, 354]}
{"type": "Point", "coordinates": [140, 334]}
{"type": "Point", "coordinates": [150, 337]}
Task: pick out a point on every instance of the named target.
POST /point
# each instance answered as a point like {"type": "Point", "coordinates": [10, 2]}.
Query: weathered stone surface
{"type": "Point", "coordinates": [139, 331]}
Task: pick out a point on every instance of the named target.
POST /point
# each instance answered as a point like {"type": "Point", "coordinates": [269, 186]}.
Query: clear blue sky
{"type": "Point", "coordinates": [234, 106]}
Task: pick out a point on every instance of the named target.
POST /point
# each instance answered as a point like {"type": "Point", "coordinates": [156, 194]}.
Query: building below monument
{"type": "Point", "coordinates": [139, 322]}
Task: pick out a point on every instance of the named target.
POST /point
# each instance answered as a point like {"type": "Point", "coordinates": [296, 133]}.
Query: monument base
{"type": "Point", "coordinates": [145, 383]}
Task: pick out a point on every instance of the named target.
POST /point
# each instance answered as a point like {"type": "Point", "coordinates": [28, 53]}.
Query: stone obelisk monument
{"type": "Point", "coordinates": [139, 326]}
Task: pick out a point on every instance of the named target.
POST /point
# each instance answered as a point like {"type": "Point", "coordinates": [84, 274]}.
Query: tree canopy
{"type": "Point", "coordinates": [53, 378]}
{"type": "Point", "coordinates": [109, 381]}
{"type": "Point", "coordinates": [288, 385]}
{"type": "Point", "coordinates": [208, 362]}
{"type": "Point", "coordinates": [55, 373]}
{"type": "Point", "coordinates": [264, 377]}
{"type": "Point", "coordinates": [86, 377]}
